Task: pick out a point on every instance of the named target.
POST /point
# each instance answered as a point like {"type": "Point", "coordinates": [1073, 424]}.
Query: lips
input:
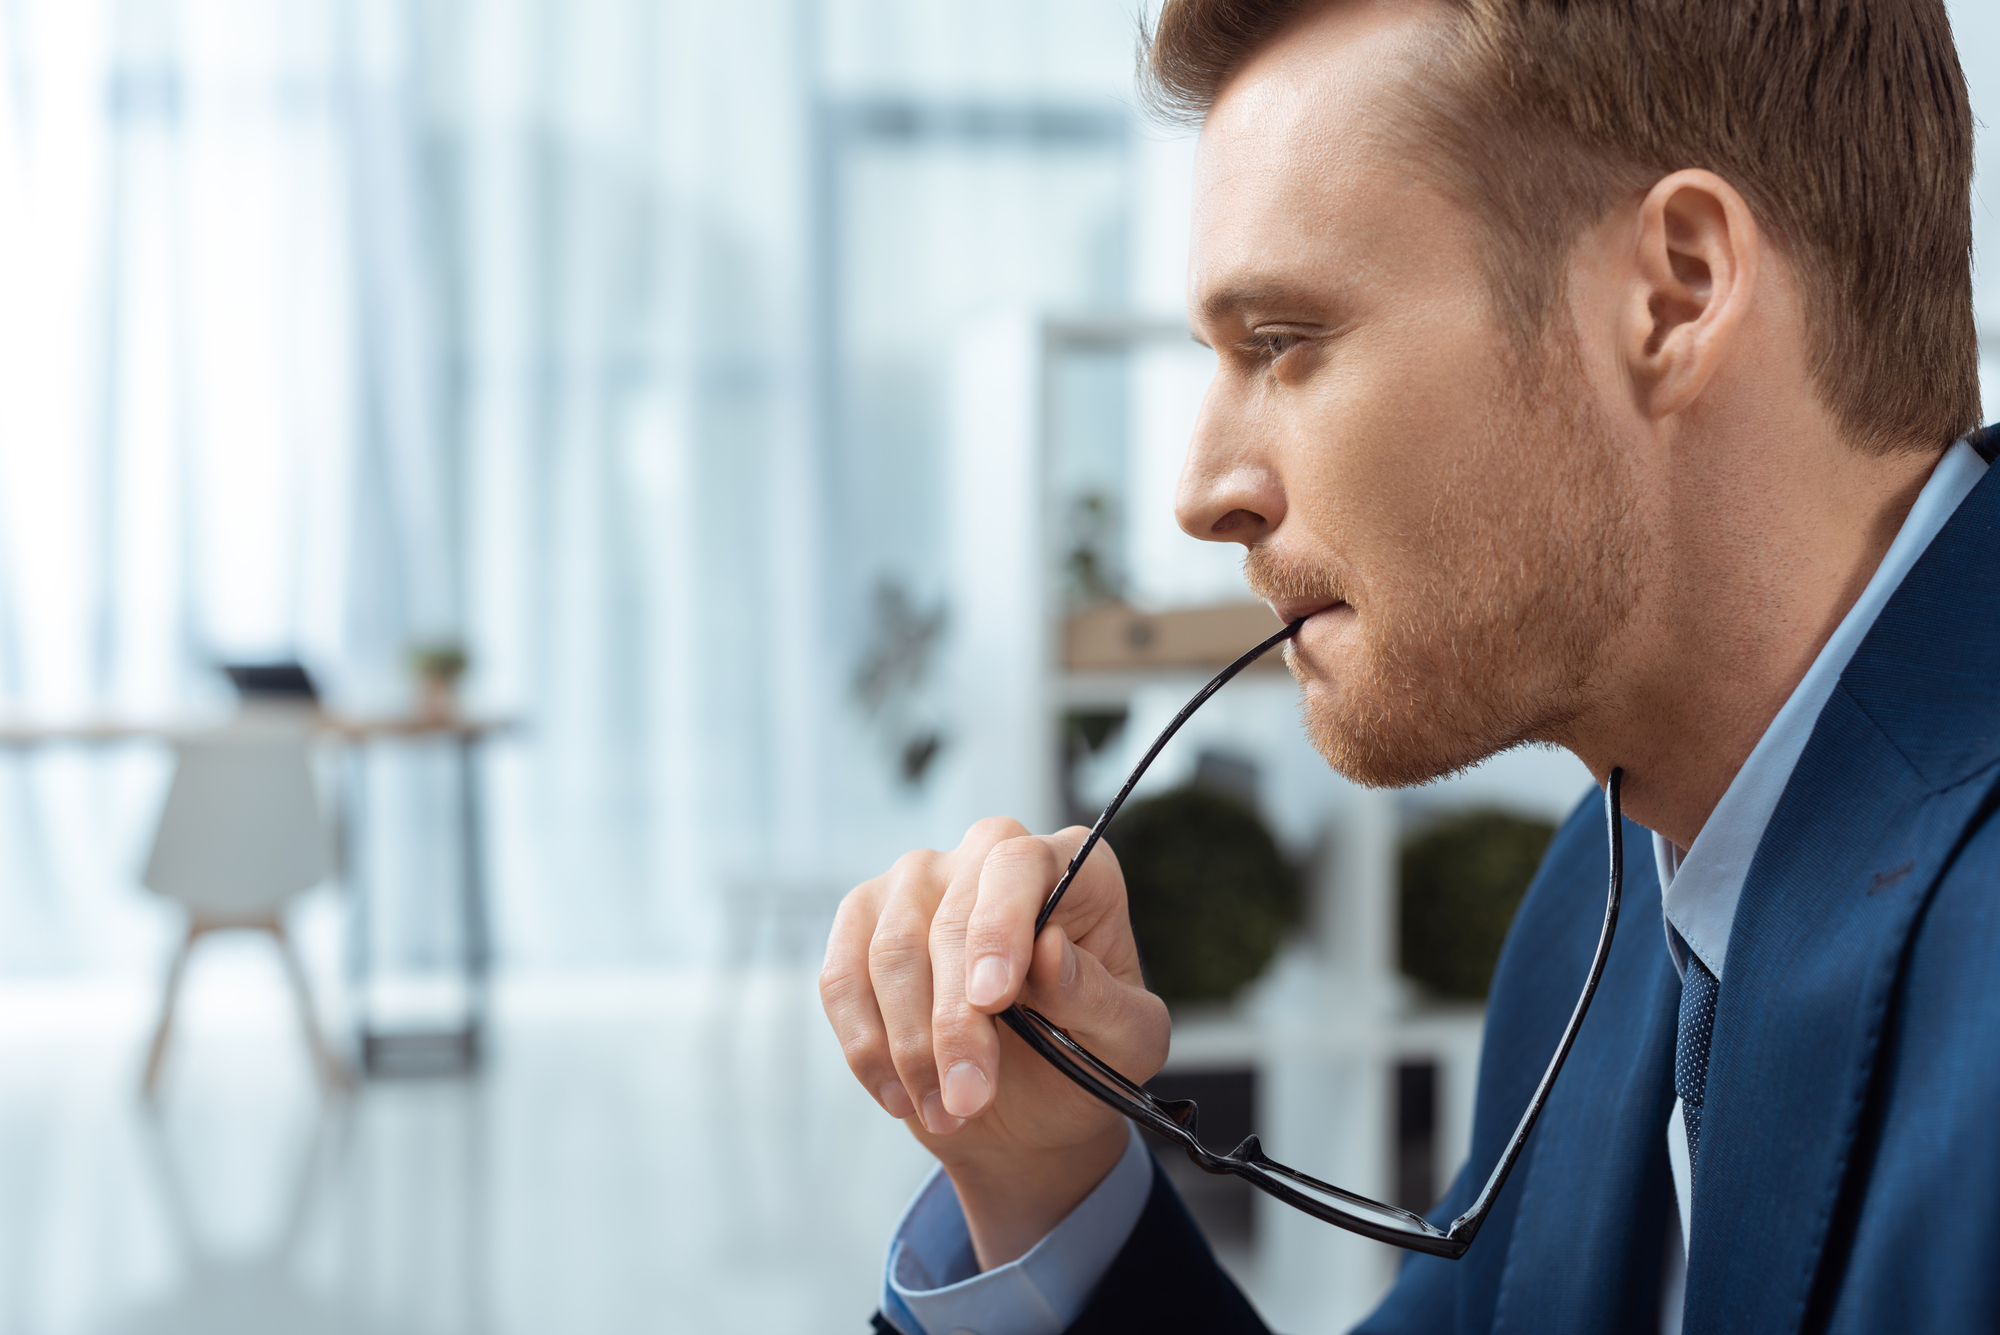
{"type": "Point", "coordinates": [1289, 611]}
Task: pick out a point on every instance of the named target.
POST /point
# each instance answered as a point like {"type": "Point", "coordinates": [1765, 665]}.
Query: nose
{"type": "Point", "coordinates": [1229, 490]}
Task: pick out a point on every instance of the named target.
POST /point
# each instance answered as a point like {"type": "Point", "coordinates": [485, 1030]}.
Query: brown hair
{"type": "Point", "coordinates": [1844, 123]}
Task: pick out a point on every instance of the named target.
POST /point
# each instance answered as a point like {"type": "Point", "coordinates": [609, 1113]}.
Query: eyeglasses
{"type": "Point", "coordinates": [1175, 1118]}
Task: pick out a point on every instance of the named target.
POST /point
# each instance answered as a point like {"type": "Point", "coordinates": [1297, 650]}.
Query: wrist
{"type": "Point", "coordinates": [1011, 1202]}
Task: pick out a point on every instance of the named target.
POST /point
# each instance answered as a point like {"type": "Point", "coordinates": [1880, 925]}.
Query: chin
{"type": "Point", "coordinates": [1416, 733]}
{"type": "Point", "coordinates": [1386, 757]}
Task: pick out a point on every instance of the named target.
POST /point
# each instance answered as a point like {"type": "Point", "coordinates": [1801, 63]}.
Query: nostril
{"type": "Point", "coordinates": [1237, 525]}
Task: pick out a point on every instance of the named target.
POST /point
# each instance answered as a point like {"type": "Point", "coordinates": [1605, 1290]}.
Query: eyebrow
{"type": "Point", "coordinates": [1230, 301]}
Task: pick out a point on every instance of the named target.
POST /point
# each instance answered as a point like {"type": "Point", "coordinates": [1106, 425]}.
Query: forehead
{"type": "Point", "coordinates": [1300, 176]}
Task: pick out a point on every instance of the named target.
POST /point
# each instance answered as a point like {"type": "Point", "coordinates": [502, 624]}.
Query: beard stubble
{"type": "Point", "coordinates": [1491, 634]}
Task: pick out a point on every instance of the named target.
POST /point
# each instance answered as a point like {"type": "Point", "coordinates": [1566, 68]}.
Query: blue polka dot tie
{"type": "Point", "coordinates": [1691, 1050]}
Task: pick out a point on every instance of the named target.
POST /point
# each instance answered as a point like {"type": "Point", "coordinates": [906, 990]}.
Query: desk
{"type": "Point", "coordinates": [382, 1052]}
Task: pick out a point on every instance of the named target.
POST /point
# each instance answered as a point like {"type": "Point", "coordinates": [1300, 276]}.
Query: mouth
{"type": "Point", "coordinates": [1290, 610]}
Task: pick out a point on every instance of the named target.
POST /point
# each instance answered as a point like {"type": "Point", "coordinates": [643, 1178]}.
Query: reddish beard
{"type": "Point", "coordinates": [1492, 635]}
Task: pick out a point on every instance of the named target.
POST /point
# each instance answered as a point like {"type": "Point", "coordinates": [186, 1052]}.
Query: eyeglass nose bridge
{"type": "Point", "coordinates": [1250, 1153]}
{"type": "Point", "coordinates": [1183, 1114]}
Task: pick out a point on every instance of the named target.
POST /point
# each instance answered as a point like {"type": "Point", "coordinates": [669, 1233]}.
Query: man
{"type": "Point", "coordinates": [1588, 373]}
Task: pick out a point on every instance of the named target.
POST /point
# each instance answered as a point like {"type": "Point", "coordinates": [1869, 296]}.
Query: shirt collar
{"type": "Point", "coordinates": [1702, 884]}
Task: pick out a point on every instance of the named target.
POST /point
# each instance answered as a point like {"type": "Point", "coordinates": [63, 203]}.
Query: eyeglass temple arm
{"type": "Point", "coordinates": [1090, 841]}
{"type": "Point", "coordinates": [1466, 1226]}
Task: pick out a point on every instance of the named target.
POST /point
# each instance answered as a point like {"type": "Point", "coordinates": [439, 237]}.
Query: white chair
{"type": "Point", "coordinates": [242, 833]}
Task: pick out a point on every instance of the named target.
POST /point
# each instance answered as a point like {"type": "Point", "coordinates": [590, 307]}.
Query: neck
{"type": "Point", "coordinates": [1757, 545]}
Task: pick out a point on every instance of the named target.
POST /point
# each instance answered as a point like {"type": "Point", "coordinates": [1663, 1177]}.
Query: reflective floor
{"type": "Point", "coordinates": [648, 1153]}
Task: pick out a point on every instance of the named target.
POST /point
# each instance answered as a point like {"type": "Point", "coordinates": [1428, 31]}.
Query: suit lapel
{"type": "Point", "coordinates": [1899, 763]}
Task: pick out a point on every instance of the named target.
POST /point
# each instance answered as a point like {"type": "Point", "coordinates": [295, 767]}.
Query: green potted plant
{"type": "Point", "coordinates": [1463, 878]}
{"type": "Point", "coordinates": [437, 667]}
{"type": "Point", "coordinates": [1211, 896]}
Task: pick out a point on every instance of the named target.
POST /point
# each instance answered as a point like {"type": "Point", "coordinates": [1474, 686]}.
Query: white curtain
{"type": "Point", "coordinates": [602, 335]}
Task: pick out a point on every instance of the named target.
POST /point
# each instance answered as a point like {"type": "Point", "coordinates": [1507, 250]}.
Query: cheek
{"type": "Point", "coordinates": [1377, 463]}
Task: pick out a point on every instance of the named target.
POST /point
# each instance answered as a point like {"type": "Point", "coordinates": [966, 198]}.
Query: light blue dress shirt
{"type": "Point", "coordinates": [933, 1285]}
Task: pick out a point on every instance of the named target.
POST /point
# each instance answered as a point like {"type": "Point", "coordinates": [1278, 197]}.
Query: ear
{"type": "Point", "coordinates": [1699, 252]}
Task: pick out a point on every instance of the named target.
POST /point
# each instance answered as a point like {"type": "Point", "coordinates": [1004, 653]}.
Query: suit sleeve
{"type": "Point", "coordinates": [1167, 1279]}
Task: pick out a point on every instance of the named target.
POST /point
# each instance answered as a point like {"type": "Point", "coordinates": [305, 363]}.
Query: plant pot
{"type": "Point", "coordinates": [437, 698]}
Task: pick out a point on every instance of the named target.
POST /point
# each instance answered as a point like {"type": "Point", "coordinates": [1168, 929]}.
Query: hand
{"type": "Point", "coordinates": [921, 960]}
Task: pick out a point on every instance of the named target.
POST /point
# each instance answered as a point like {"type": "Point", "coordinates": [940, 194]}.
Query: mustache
{"type": "Point", "coordinates": [1279, 579]}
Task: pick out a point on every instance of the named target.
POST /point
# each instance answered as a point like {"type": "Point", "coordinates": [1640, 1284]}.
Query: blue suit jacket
{"type": "Point", "coordinates": [1850, 1169]}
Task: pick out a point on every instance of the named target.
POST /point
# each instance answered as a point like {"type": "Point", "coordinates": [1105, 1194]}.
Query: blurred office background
{"type": "Point", "coordinates": [778, 405]}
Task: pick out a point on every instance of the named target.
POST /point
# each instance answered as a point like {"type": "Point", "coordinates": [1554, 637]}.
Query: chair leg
{"type": "Point", "coordinates": [331, 1069]}
{"type": "Point", "coordinates": [169, 999]}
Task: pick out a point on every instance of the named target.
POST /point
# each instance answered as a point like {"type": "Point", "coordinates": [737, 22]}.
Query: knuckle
{"type": "Point", "coordinates": [853, 919]}
{"type": "Point", "coordinates": [843, 926]}
{"type": "Point", "coordinates": [953, 1026]}
{"type": "Point", "coordinates": [992, 934]}
{"type": "Point", "coordinates": [895, 951]}
{"type": "Point", "coordinates": [994, 829]}
{"type": "Point", "coordinates": [842, 940]}
{"type": "Point", "coordinates": [914, 884]}
{"type": "Point", "coordinates": [863, 900]}
{"type": "Point", "coordinates": [865, 1052]}
{"type": "Point", "coordinates": [914, 865]}
{"type": "Point", "coordinates": [947, 930]}
{"type": "Point", "coordinates": [911, 1053]}
{"type": "Point", "coordinates": [1022, 853]}
{"type": "Point", "coordinates": [839, 987]}
{"type": "Point", "coordinates": [843, 918]}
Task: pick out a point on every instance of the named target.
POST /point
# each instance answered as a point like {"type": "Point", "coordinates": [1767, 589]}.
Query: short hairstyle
{"type": "Point", "coordinates": [1843, 123]}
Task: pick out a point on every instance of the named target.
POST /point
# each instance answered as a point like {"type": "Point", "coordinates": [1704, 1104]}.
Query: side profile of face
{"type": "Point", "coordinates": [1451, 520]}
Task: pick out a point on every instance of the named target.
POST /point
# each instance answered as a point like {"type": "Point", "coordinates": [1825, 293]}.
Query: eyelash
{"type": "Point", "coordinates": [1269, 348]}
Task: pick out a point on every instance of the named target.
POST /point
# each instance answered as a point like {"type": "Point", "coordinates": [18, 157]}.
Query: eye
{"type": "Point", "coordinates": [1273, 346]}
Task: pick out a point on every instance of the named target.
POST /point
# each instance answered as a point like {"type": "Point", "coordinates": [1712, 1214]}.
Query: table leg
{"type": "Point", "coordinates": [455, 1051]}
{"type": "Point", "coordinates": [472, 892]}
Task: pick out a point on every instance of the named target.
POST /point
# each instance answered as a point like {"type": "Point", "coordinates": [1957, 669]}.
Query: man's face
{"type": "Point", "coordinates": [1450, 519]}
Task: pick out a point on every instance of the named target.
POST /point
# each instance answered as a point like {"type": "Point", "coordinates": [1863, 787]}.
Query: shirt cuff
{"type": "Point", "coordinates": [934, 1285]}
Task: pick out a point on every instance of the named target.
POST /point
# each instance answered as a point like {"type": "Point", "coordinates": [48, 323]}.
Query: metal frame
{"type": "Point", "coordinates": [424, 1051]}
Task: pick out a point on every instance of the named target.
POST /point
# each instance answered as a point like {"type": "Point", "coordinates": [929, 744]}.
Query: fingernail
{"type": "Point", "coordinates": [1068, 964]}
{"type": "Point", "coordinates": [936, 1120]}
{"type": "Point", "coordinates": [896, 1100]}
{"type": "Point", "coordinates": [988, 982]}
{"type": "Point", "coordinates": [965, 1089]}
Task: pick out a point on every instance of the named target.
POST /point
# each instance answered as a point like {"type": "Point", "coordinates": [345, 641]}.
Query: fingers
{"type": "Point", "coordinates": [1013, 886]}
{"type": "Point", "coordinates": [902, 970]}
{"type": "Point", "coordinates": [921, 958]}
{"type": "Point", "coordinates": [849, 1000]}
{"type": "Point", "coordinates": [1122, 1023]}
{"type": "Point", "coordinates": [899, 977]}
{"type": "Point", "coordinates": [985, 926]}
{"type": "Point", "coordinates": [966, 1041]}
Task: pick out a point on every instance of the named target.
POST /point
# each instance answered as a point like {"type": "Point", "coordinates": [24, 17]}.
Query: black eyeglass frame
{"type": "Point", "coordinates": [1176, 1118]}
